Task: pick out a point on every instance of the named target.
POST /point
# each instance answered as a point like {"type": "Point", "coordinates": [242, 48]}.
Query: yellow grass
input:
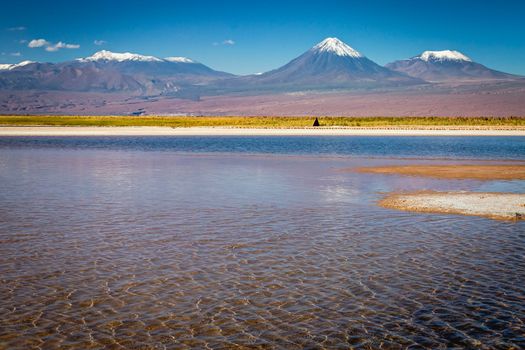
{"type": "Point", "coordinates": [259, 122]}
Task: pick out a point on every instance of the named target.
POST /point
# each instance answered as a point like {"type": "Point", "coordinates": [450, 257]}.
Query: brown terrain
{"type": "Point", "coordinates": [506, 100]}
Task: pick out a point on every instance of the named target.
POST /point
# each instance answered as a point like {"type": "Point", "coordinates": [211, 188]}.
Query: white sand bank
{"type": "Point", "coordinates": [220, 131]}
{"type": "Point", "coordinates": [503, 206]}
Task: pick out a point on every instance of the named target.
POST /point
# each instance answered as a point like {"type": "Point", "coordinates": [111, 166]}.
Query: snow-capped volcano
{"type": "Point", "coordinates": [337, 47]}
{"type": "Point", "coordinates": [136, 64]}
{"type": "Point", "coordinates": [446, 65]}
{"type": "Point", "coordinates": [331, 64]}
{"type": "Point", "coordinates": [444, 55]}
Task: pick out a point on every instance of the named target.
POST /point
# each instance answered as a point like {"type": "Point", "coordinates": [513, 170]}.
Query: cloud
{"type": "Point", "coordinates": [61, 45]}
{"type": "Point", "coordinates": [23, 41]}
{"type": "Point", "coordinates": [100, 42]}
{"type": "Point", "coordinates": [14, 54]}
{"type": "Point", "coordinates": [50, 46]}
{"type": "Point", "coordinates": [16, 29]}
{"type": "Point", "coordinates": [225, 42]}
{"type": "Point", "coordinates": [38, 43]}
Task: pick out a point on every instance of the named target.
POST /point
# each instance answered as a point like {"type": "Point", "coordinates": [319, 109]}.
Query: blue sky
{"type": "Point", "coordinates": [255, 36]}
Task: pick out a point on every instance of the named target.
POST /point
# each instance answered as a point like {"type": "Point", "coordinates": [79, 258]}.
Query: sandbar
{"type": "Point", "coordinates": [500, 206]}
{"type": "Point", "coordinates": [454, 171]}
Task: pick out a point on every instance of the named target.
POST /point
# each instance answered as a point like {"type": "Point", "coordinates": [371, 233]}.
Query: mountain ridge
{"type": "Point", "coordinates": [107, 71]}
{"type": "Point", "coordinates": [329, 65]}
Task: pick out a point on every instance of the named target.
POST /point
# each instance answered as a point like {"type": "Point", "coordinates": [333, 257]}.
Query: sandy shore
{"type": "Point", "coordinates": [219, 131]}
{"type": "Point", "coordinates": [474, 172]}
{"type": "Point", "coordinates": [501, 206]}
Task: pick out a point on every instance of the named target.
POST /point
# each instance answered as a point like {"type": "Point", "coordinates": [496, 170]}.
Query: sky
{"type": "Point", "coordinates": [245, 37]}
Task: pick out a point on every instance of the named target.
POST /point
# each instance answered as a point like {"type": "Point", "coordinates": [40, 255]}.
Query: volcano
{"type": "Point", "coordinates": [447, 66]}
{"type": "Point", "coordinates": [332, 64]}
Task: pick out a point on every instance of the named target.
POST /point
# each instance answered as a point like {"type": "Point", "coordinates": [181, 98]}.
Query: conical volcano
{"type": "Point", "coordinates": [331, 64]}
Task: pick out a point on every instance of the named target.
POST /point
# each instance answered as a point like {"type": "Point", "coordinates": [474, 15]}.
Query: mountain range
{"type": "Point", "coordinates": [109, 72]}
{"type": "Point", "coordinates": [106, 82]}
{"type": "Point", "coordinates": [329, 65]}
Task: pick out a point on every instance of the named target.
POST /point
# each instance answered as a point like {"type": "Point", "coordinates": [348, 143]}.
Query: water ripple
{"type": "Point", "coordinates": [103, 249]}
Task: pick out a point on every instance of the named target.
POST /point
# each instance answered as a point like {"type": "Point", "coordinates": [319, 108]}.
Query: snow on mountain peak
{"type": "Point", "coordinates": [105, 55]}
{"type": "Point", "coordinates": [336, 46]}
{"type": "Point", "coordinates": [445, 55]}
{"type": "Point", "coordinates": [179, 59]}
{"type": "Point", "coordinates": [14, 65]}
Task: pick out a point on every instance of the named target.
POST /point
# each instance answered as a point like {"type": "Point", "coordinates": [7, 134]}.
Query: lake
{"type": "Point", "coordinates": [251, 242]}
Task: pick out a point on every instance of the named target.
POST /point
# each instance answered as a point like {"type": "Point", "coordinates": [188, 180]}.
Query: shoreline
{"type": "Point", "coordinates": [238, 131]}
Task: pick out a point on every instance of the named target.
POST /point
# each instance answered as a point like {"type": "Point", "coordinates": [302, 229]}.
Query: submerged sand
{"type": "Point", "coordinates": [474, 172]}
{"type": "Point", "coordinates": [501, 206]}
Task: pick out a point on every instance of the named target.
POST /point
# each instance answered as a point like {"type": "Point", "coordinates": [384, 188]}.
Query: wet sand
{"type": "Point", "coordinates": [230, 131]}
{"type": "Point", "coordinates": [472, 172]}
{"type": "Point", "coordinates": [501, 206]}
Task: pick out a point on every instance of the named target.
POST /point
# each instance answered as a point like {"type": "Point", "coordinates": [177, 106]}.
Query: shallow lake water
{"type": "Point", "coordinates": [250, 242]}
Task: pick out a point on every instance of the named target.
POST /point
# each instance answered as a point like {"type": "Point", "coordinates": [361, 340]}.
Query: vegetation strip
{"type": "Point", "coordinates": [265, 122]}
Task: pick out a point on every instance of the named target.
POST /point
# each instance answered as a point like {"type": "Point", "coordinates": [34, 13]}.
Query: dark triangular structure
{"type": "Point", "coordinates": [316, 122]}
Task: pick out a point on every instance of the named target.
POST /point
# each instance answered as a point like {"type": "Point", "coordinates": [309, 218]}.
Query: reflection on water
{"type": "Point", "coordinates": [161, 250]}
